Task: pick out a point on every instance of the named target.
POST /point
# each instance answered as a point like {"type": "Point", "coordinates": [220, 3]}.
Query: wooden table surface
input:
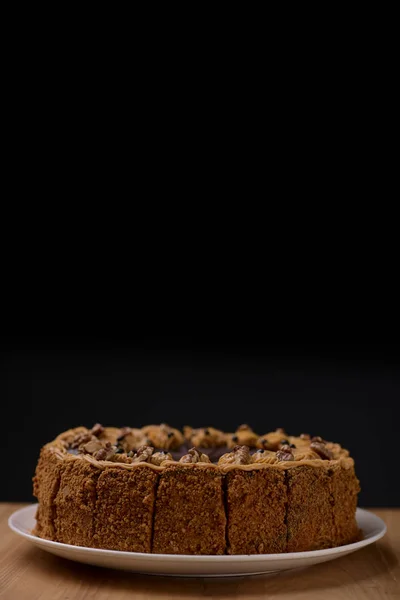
{"type": "Point", "coordinates": [29, 573]}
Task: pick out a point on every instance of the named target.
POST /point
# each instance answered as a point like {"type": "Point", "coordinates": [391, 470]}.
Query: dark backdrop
{"type": "Point", "coordinates": [345, 393]}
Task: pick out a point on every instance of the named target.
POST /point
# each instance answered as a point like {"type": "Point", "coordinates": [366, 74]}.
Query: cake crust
{"type": "Point", "coordinates": [45, 487]}
{"type": "Point", "coordinates": [345, 488]}
{"type": "Point", "coordinates": [75, 503]}
{"type": "Point", "coordinates": [256, 508]}
{"type": "Point", "coordinates": [124, 509]}
{"type": "Point", "coordinates": [310, 510]}
{"type": "Point", "coordinates": [189, 513]}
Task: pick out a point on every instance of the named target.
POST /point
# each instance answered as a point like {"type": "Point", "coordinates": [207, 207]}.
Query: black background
{"type": "Point", "coordinates": [344, 392]}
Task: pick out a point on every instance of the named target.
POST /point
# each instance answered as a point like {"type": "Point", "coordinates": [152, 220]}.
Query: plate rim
{"type": "Point", "coordinates": [228, 558]}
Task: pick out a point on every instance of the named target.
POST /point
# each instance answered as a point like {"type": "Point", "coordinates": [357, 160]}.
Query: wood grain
{"type": "Point", "coordinates": [28, 573]}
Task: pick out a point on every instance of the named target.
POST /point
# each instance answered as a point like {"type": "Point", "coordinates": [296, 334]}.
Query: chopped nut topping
{"type": "Point", "coordinates": [194, 456]}
{"type": "Point", "coordinates": [305, 436]}
{"type": "Point", "coordinates": [240, 455]}
{"type": "Point", "coordinates": [280, 430]}
{"type": "Point", "coordinates": [316, 438]}
{"type": "Point", "coordinates": [91, 447]}
{"type": "Point", "coordinates": [321, 450]}
{"type": "Point", "coordinates": [130, 439]}
{"type": "Point", "coordinates": [159, 457]}
{"type": "Point", "coordinates": [143, 454]}
{"type": "Point", "coordinates": [81, 438]}
{"type": "Point", "coordinates": [101, 454]}
{"type": "Point", "coordinates": [123, 432]}
{"type": "Point", "coordinates": [243, 428]}
{"type": "Point", "coordinates": [285, 453]}
{"type": "Point", "coordinates": [337, 450]}
{"type": "Point", "coordinates": [106, 453]}
{"type": "Point", "coordinates": [97, 429]}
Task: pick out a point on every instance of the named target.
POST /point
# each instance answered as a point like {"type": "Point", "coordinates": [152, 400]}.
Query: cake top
{"type": "Point", "coordinates": [162, 445]}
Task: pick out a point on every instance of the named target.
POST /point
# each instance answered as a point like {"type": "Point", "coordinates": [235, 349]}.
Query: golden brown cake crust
{"type": "Point", "coordinates": [309, 515]}
{"type": "Point", "coordinates": [345, 487]}
{"type": "Point", "coordinates": [75, 503]}
{"type": "Point", "coordinates": [189, 515]}
{"type": "Point", "coordinates": [45, 487]}
{"type": "Point", "coordinates": [124, 509]}
{"type": "Point", "coordinates": [256, 507]}
{"type": "Point", "coordinates": [291, 494]}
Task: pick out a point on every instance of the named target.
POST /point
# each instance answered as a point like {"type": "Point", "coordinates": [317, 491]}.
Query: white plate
{"type": "Point", "coordinates": [23, 521]}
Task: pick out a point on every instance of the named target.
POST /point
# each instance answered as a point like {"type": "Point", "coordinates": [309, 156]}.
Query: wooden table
{"type": "Point", "coordinates": [29, 573]}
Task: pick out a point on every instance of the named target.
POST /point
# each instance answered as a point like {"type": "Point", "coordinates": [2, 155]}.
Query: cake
{"type": "Point", "coordinates": [201, 491]}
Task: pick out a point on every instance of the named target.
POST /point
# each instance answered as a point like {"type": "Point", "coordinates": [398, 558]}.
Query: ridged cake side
{"type": "Point", "coordinates": [256, 509]}
{"type": "Point", "coordinates": [124, 509]}
{"type": "Point", "coordinates": [190, 514]}
{"type": "Point", "coordinates": [45, 487]}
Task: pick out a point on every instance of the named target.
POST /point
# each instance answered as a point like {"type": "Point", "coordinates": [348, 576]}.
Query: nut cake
{"type": "Point", "coordinates": [200, 491]}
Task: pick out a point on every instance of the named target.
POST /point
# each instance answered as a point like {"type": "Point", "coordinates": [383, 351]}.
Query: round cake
{"type": "Point", "coordinates": [200, 491]}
